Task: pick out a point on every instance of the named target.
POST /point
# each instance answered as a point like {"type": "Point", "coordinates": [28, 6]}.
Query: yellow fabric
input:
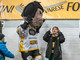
{"type": "Point", "coordinates": [21, 43]}
{"type": "Point", "coordinates": [52, 9]}
{"type": "Point", "coordinates": [0, 11]}
{"type": "Point", "coordinates": [53, 35]}
{"type": "Point", "coordinates": [22, 37]}
{"type": "Point", "coordinates": [52, 51]}
{"type": "Point", "coordinates": [53, 46]}
{"type": "Point", "coordinates": [21, 46]}
{"type": "Point", "coordinates": [38, 56]}
{"type": "Point", "coordinates": [18, 30]}
{"type": "Point", "coordinates": [28, 50]}
{"type": "Point", "coordinates": [33, 42]}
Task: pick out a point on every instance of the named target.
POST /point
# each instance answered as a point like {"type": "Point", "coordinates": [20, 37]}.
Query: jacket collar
{"type": "Point", "coordinates": [2, 42]}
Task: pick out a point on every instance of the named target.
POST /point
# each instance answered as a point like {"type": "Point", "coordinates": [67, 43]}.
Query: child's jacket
{"type": "Point", "coordinates": [4, 51]}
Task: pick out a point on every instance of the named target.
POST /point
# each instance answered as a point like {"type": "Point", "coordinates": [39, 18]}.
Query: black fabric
{"type": "Point", "coordinates": [30, 53]}
{"type": "Point", "coordinates": [53, 40]}
{"type": "Point", "coordinates": [1, 53]}
{"type": "Point", "coordinates": [32, 32]}
{"type": "Point", "coordinates": [1, 36]}
{"type": "Point", "coordinates": [27, 21]}
{"type": "Point", "coordinates": [24, 25]}
{"type": "Point", "coordinates": [57, 47]}
{"type": "Point", "coordinates": [31, 9]}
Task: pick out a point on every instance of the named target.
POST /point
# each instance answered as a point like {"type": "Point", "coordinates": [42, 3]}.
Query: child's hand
{"type": "Point", "coordinates": [49, 29]}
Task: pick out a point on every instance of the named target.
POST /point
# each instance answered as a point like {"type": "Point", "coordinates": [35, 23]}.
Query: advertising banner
{"type": "Point", "coordinates": [53, 9]}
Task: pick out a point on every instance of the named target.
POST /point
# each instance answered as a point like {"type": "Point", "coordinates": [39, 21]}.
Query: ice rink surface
{"type": "Point", "coordinates": [70, 29]}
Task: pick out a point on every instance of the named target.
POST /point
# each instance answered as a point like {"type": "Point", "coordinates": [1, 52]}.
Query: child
{"type": "Point", "coordinates": [3, 49]}
{"type": "Point", "coordinates": [54, 41]}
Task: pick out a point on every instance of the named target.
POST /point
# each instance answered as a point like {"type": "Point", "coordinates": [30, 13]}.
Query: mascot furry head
{"type": "Point", "coordinates": [32, 15]}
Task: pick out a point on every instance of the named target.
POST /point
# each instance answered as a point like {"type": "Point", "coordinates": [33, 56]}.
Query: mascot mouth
{"type": "Point", "coordinates": [37, 23]}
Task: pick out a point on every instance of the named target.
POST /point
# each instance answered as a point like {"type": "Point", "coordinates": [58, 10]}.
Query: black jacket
{"type": "Point", "coordinates": [57, 47]}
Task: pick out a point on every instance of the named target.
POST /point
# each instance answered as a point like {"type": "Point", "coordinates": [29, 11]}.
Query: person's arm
{"type": "Point", "coordinates": [26, 23]}
{"type": "Point", "coordinates": [46, 37]}
{"type": "Point", "coordinates": [61, 37]}
{"type": "Point", "coordinates": [22, 27]}
{"type": "Point", "coordinates": [6, 52]}
{"type": "Point", "coordinates": [20, 31]}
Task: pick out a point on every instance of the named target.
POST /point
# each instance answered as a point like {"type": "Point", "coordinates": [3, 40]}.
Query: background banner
{"type": "Point", "coordinates": [54, 9]}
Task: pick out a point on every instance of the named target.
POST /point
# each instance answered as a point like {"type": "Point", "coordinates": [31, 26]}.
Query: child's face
{"type": "Point", "coordinates": [3, 40]}
{"type": "Point", "coordinates": [55, 30]}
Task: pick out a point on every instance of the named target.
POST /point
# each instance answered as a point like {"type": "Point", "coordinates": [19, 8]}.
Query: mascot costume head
{"type": "Point", "coordinates": [32, 15]}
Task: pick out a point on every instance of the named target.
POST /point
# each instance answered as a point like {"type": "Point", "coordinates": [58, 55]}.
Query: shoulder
{"type": "Point", "coordinates": [21, 23]}
{"type": "Point", "coordinates": [60, 33]}
{"type": "Point", "coordinates": [2, 45]}
{"type": "Point", "coordinates": [19, 27]}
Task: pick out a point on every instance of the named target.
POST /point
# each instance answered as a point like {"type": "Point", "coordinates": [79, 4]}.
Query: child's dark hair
{"type": "Point", "coordinates": [1, 36]}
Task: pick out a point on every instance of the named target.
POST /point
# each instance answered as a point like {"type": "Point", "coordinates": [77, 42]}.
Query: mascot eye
{"type": "Point", "coordinates": [40, 12]}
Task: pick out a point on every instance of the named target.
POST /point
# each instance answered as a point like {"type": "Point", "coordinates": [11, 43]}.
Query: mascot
{"type": "Point", "coordinates": [28, 31]}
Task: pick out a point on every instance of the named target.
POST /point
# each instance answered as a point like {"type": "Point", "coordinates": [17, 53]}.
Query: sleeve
{"type": "Point", "coordinates": [6, 52]}
{"type": "Point", "coordinates": [20, 31]}
{"type": "Point", "coordinates": [46, 37]}
{"type": "Point", "coordinates": [61, 37]}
